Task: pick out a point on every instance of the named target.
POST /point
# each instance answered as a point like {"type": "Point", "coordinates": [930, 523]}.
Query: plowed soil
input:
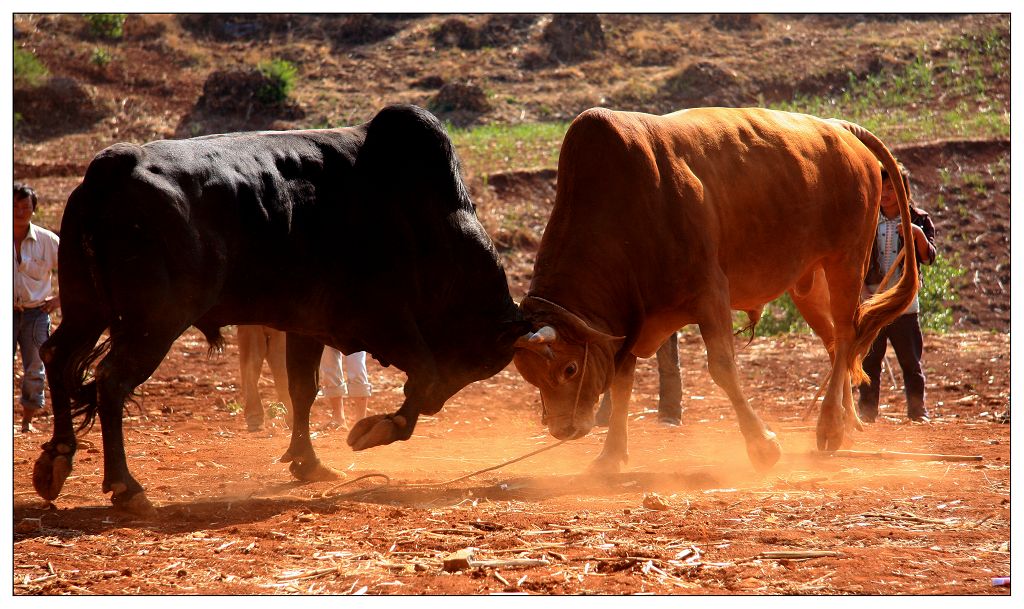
{"type": "Point", "coordinates": [688, 515]}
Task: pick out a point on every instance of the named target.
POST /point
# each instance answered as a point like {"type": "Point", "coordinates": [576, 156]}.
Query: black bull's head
{"type": "Point", "coordinates": [569, 361]}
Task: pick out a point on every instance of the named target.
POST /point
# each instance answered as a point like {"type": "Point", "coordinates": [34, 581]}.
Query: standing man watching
{"type": "Point", "coordinates": [35, 259]}
{"type": "Point", "coordinates": [905, 331]}
{"type": "Point", "coordinates": [670, 388]}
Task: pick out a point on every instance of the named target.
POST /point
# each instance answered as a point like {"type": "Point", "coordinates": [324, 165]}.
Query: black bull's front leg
{"type": "Point", "coordinates": [425, 390]}
{"type": "Point", "coordinates": [380, 429]}
{"type": "Point", "coordinates": [302, 356]}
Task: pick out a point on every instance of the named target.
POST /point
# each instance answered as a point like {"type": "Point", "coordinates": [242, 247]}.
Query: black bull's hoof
{"type": "Point", "coordinates": [132, 502]}
{"type": "Point", "coordinates": [378, 430]}
{"type": "Point", "coordinates": [51, 469]}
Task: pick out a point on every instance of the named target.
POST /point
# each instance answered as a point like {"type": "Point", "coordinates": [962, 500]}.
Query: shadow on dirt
{"type": "Point", "coordinates": [271, 500]}
{"type": "Point", "coordinates": [531, 488]}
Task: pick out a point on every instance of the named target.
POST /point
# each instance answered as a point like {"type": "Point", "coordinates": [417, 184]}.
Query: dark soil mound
{"type": "Point", "coordinates": [460, 103]}
{"type": "Point", "coordinates": [241, 91]}
{"type": "Point", "coordinates": [736, 22]}
{"type": "Point", "coordinates": [428, 82]}
{"type": "Point", "coordinates": [704, 83]}
{"type": "Point", "coordinates": [456, 32]}
{"type": "Point", "coordinates": [364, 29]}
{"type": "Point", "coordinates": [496, 31]}
{"type": "Point", "coordinates": [59, 105]}
{"type": "Point", "coordinates": [245, 26]}
{"type": "Point", "coordinates": [574, 37]}
{"type": "Point", "coordinates": [503, 30]}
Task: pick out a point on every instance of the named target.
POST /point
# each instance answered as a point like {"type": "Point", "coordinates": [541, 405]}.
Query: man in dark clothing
{"type": "Point", "coordinates": [670, 392]}
{"type": "Point", "coordinates": [905, 331]}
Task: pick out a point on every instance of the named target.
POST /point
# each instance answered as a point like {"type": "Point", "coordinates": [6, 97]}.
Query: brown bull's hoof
{"type": "Point", "coordinates": [314, 471]}
{"type": "Point", "coordinates": [136, 504]}
{"type": "Point", "coordinates": [606, 464]}
{"type": "Point", "coordinates": [377, 430]}
{"type": "Point", "coordinates": [50, 471]}
{"type": "Point", "coordinates": [764, 452]}
{"type": "Point", "coordinates": [853, 422]}
{"type": "Point", "coordinates": [830, 438]}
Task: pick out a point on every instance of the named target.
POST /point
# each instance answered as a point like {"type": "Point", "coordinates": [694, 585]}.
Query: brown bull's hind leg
{"type": "Point", "coordinates": [302, 360]}
{"type": "Point", "coordinates": [810, 295]}
{"type": "Point", "coordinates": [716, 330]}
{"type": "Point", "coordinates": [838, 417]}
{"type": "Point", "coordinates": [614, 454]}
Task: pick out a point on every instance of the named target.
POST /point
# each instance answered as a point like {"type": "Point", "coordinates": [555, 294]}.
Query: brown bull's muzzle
{"type": "Point", "coordinates": [568, 427]}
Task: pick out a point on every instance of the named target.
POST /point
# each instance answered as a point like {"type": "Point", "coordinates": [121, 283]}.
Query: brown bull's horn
{"type": "Point", "coordinates": [532, 341]}
{"type": "Point", "coordinates": [576, 321]}
{"type": "Point", "coordinates": [546, 334]}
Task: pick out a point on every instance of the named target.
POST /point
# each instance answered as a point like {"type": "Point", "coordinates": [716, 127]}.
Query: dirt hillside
{"type": "Point", "coordinates": [170, 76]}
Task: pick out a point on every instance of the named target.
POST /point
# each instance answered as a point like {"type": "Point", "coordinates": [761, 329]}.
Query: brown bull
{"type": "Point", "coordinates": [664, 221]}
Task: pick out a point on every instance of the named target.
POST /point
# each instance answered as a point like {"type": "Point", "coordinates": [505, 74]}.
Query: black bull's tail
{"type": "Point", "coordinates": [82, 391]}
{"type": "Point", "coordinates": [879, 310]}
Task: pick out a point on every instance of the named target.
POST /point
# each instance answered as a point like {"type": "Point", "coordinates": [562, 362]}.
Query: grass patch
{"type": "Point", "coordinates": [280, 75]}
{"type": "Point", "coordinates": [780, 316]}
{"type": "Point", "coordinates": [487, 149]}
{"type": "Point", "coordinates": [909, 104]}
{"type": "Point", "coordinates": [976, 182]}
{"type": "Point", "coordinates": [904, 105]}
{"type": "Point", "coordinates": [28, 69]}
{"type": "Point", "coordinates": [937, 293]}
{"type": "Point", "coordinates": [106, 25]}
{"type": "Point", "coordinates": [100, 57]}
{"type": "Point", "coordinates": [276, 410]}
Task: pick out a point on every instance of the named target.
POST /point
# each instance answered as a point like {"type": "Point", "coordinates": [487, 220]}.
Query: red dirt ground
{"type": "Point", "coordinates": [231, 520]}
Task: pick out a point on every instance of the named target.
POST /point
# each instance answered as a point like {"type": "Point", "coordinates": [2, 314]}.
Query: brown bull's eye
{"type": "Point", "coordinates": [570, 370]}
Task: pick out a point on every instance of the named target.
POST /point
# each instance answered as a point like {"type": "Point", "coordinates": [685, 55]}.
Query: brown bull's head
{"type": "Point", "coordinates": [569, 361]}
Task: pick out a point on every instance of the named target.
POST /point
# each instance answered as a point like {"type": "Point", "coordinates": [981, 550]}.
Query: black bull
{"type": "Point", "coordinates": [362, 238]}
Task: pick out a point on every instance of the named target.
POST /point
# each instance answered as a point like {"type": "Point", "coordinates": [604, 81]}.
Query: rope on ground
{"type": "Point", "coordinates": [814, 402]}
{"type": "Point", "coordinates": [387, 484]}
{"type": "Point", "coordinates": [387, 481]}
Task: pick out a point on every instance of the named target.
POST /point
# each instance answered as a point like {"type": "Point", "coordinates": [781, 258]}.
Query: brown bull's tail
{"type": "Point", "coordinates": [881, 309]}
